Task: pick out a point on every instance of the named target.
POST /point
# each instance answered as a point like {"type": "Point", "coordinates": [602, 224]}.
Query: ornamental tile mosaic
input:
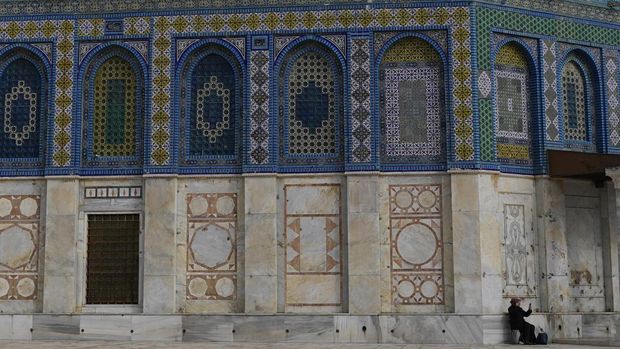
{"type": "Point", "coordinates": [416, 245]}
{"type": "Point", "coordinates": [259, 107]}
{"type": "Point", "coordinates": [114, 109]}
{"type": "Point", "coordinates": [346, 19]}
{"type": "Point", "coordinates": [552, 128]}
{"type": "Point", "coordinates": [575, 110]}
{"type": "Point", "coordinates": [311, 105]}
{"type": "Point", "coordinates": [361, 123]}
{"type": "Point", "coordinates": [137, 25]}
{"type": "Point", "coordinates": [19, 244]}
{"type": "Point", "coordinates": [211, 109]}
{"type": "Point", "coordinates": [539, 25]}
{"type": "Point", "coordinates": [412, 103]}
{"type": "Point", "coordinates": [211, 246]}
{"type": "Point", "coordinates": [24, 94]}
{"type": "Point", "coordinates": [61, 32]}
{"type": "Point", "coordinates": [613, 97]}
{"type": "Point", "coordinates": [512, 105]}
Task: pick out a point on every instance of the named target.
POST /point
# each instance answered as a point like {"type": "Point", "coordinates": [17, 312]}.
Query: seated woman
{"type": "Point", "coordinates": [517, 321]}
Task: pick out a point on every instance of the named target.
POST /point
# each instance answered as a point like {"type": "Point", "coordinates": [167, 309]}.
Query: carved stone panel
{"type": "Point", "coordinates": [519, 246]}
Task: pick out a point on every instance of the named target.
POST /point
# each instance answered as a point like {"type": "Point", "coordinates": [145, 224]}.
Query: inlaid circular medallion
{"type": "Point", "coordinates": [4, 287]}
{"type": "Point", "coordinates": [427, 199]}
{"type": "Point", "coordinates": [211, 246]}
{"type": "Point", "coordinates": [197, 287]}
{"type": "Point", "coordinates": [225, 287]}
{"type": "Point", "coordinates": [416, 243]}
{"type": "Point", "coordinates": [429, 288]}
{"type": "Point", "coordinates": [403, 199]}
{"type": "Point", "coordinates": [26, 287]}
{"type": "Point", "coordinates": [5, 207]}
{"type": "Point", "coordinates": [198, 205]}
{"type": "Point", "coordinates": [406, 288]}
{"type": "Point", "coordinates": [225, 205]}
{"type": "Point", "coordinates": [28, 207]}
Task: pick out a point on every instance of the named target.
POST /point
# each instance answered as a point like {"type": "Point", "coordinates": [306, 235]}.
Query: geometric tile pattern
{"type": "Point", "coordinates": [113, 111]}
{"type": "Point", "coordinates": [575, 93]}
{"type": "Point", "coordinates": [412, 112]}
{"type": "Point", "coordinates": [488, 18]}
{"type": "Point", "coordinates": [613, 97]}
{"type": "Point", "coordinates": [313, 246]}
{"type": "Point", "coordinates": [23, 104]}
{"type": "Point", "coordinates": [552, 128]}
{"type": "Point", "coordinates": [361, 148]}
{"type": "Point", "coordinates": [512, 103]}
{"type": "Point", "coordinates": [210, 108]}
{"type": "Point", "coordinates": [165, 27]}
{"type": "Point", "coordinates": [211, 246]}
{"type": "Point", "coordinates": [311, 104]}
{"type": "Point", "coordinates": [60, 31]}
{"type": "Point", "coordinates": [416, 245]}
{"type": "Point", "coordinates": [259, 107]}
{"type": "Point", "coordinates": [484, 84]}
{"type": "Point", "coordinates": [137, 25]}
{"type": "Point", "coordinates": [19, 246]}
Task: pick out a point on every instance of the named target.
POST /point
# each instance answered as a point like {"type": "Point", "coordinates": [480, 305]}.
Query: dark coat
{"type": "Point", "coordinates": [516, 315]}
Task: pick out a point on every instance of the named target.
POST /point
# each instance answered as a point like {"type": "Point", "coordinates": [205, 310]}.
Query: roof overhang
{"type": "Point", "coordinates": [571, 164]}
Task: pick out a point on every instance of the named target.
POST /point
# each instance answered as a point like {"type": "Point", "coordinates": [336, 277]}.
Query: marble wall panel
{"type": "Point", "coordinates": [19, 246]}
{"type": "Point", "coordinates": [209, 244]}
{"type": "Point", "coordinates": [416, 240]}
{"type": "Point", "coordinates": [313, 254]}
{"type": "Point", "coordinates": [519, 247]}
{"type": "Point", "coordinates": [585, 257]}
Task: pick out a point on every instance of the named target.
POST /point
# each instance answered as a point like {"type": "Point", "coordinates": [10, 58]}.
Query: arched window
{"type": "Point", "coordinates": [23, 97]}
{"type": "Point", "coordinates": [514, 105]}
{"type": "Point", "coordinates": [211, 108]}
{"type": "Point", "coordinates": [578, 102]}
{"type": "Point", "coordinates": [412, 104]}
{"type": "Point", "coordinates": [114, 110]}
{"type": "Point", "coordinates": [311, 106]}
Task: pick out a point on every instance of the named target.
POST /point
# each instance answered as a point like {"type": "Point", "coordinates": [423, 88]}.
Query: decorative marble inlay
{"type": "Point", "coordinates": [112, 192]}
{"type": "Point", "coordinates": [313, 253]}
{"type": "Point", "coordinates": [19, 246]}
{"type": "Point", "coordinates": [212, 246]}
{"type": "Point", "coordinates": [416, 245]}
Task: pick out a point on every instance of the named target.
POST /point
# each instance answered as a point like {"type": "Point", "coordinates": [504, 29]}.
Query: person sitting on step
{"type": "Point", "coordinates": [517, 317]}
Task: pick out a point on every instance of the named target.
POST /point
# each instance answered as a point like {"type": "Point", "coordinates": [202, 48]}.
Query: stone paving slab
{"type": "Point", "coordinates": [169, 345]}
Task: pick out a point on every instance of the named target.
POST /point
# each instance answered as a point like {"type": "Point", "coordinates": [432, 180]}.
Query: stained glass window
{"type": "Point", "coordinates": [23, 102]}
{"type": "Point", "coordinates": [512, 105]}
{"type": "Point", "coordinates": [412, 103]}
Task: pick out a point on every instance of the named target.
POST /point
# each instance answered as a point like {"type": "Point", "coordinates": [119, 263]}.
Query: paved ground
{"type": "Point", "coordinates": [165, 345]}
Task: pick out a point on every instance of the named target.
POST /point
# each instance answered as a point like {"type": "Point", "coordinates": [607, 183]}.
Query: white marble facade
{"type": "Point", "coordinates": [359, 244]}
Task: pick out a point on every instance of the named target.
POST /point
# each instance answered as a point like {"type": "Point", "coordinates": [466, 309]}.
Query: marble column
{"type": "Point", "coordinates": [61, 221]}
{"type": "Point", "coordinates": [465, 188]}
{"type": "Point", "coordinates": [364, 248]}
{"type": "Point", "coordinates": [551, 212]}
{"type": "Point", "coordinates": [261, 269]}
{"type": "Point", "coordinates": [160, 203]}
{"type": "Point", "coordinates": [611, 212]}
{"type": "Point", "coordinates": [490, 244]}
